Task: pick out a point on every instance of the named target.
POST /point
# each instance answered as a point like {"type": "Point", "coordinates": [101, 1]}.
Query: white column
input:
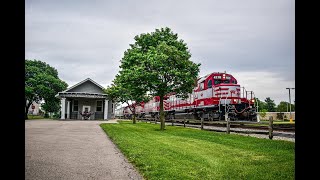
{"type": "Point", "coordinates": [68, 109]}
{"type": "Point", "coordinates": [106, 102]}
{"type": "Point", "coordinates": [63, 107]}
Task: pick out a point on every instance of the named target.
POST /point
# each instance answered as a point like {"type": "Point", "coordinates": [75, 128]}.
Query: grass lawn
{"type": "Point", "coordinates": [185, 153]}
{"type": "Point", "coordinates": [35, 117]}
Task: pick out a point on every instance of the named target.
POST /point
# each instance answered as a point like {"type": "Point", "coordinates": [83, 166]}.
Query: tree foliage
{"type": "Point", "coordinates": [159, 63]}
{"type": "Point", "coordinates": [270, 105]}
{"type": "Point", "coordinates": [293, 108]}
{"type": "Point", "coordinates": [261, 105]}
{"type": "Point", "coordinates": [124, 92]}
{"type": "Point", "coordinates": [284, 106]}
{"type": "Point", "coordinates": [51, 104]}
{"type": "Point", "coordinates": [42, 83]}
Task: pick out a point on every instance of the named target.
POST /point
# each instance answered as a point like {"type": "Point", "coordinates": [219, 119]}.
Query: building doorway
{"type": "Point", "coordinates": [86, 109]}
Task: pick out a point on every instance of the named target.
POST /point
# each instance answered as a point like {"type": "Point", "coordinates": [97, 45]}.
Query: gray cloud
{"type": "Point", "coordinates": [87, 38]}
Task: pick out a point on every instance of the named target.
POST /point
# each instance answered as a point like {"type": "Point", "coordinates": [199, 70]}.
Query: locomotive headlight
{"type": "Point", "coordinates": [252, 100]}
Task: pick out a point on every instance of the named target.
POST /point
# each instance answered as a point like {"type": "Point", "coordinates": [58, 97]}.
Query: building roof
{"type": "Point", "coordinates": [78, 84]}
{"type": "Point", "coordinates": [80, 94]}
{"type": "Point", "coordinates": [75, 93]}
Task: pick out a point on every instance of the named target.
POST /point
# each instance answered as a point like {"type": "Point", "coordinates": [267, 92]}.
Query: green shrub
{"type": "Point", "coordinates": [57, 115]}
{"type": "Point", "coordinates": [280, 116]}
{"type": "Point", "coordinates": [263, 113]}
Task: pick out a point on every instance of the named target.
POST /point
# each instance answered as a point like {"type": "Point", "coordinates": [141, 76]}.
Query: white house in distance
{"type": "Point", "coordinates": [89, 96]}
{"type": "Point", "coordinates": [34, 109]}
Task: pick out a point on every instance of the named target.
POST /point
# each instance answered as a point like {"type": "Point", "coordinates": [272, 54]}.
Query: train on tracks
{"type": "Point", "coordinates": [216, 96]}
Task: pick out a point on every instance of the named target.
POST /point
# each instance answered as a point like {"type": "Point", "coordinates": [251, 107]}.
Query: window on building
{"type": "Point", "coordinates": [210, 84]}
{"type": "Point", "coordinates": [75, 105]}
{"type": "Point", "coordinates": [99, 106]}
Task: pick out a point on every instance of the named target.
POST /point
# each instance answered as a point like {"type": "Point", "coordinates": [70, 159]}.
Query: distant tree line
{"type": "Point", "coordinates": [268, 105]}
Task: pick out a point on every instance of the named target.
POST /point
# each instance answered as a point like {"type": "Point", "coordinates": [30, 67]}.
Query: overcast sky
{"type": "Point", "coordinates": [254, 40]}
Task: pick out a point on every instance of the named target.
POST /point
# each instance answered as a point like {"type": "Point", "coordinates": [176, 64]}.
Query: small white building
{"type": "Point", "coordinates": [86, 96]}
{"type": "Point", "coordinates": [34, 109]}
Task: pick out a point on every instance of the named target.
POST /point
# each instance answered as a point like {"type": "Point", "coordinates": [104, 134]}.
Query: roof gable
{"type": "Point", "coordinates": [87, 86]}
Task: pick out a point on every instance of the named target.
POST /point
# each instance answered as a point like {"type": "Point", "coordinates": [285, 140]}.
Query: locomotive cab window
{"type": "Point", "coordinates": [217, 81]}
{"type": "Point", "coordinates": [202, 86]}
{"type": "Point", "coordinates": [210, 84]}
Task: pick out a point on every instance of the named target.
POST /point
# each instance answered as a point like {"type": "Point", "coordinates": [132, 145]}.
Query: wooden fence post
{"type": "Point", "coordinates": [228, 125]}
{"type": "Point", "coordinates": [202, 123]}
{"type": "Point", "coordinates": [172, 121]}
{"type": "Point", "coordinates": [155, 120]}
{"type": "Point", "coordinates": [270, 127]}
{"type": "Point", "coordinates": [184, 122]}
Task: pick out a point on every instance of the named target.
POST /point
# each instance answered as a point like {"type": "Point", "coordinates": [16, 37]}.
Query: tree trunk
{"type": "Point", "coordinates": [134, 119]}
{"type": "Point", "coordinates": [134, 114]}
{"type": "Point", "coordinates": [162, 122]}
{"type": "Point", "coordinates": [133, 110]}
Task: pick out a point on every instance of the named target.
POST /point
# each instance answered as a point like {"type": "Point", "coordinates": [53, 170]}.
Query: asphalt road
{"type": "Point", "coordinates": [72, 150]}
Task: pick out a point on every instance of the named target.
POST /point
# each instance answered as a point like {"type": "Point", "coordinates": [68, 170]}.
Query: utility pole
{"type": "Point", "coordinates": [290, 103]}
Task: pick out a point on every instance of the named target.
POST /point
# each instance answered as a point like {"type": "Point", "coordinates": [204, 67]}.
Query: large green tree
{"type": "Point", "coordinates": [270, 105]}
{"type": "Point", "coordinates": [42, 83]}
{"type": "Point", "coordinates": [282, 106]}
{"type": "Point", "coordinates": [161, 62]}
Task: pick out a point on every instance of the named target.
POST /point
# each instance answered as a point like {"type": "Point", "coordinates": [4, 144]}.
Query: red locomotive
{"type": "Point", "coordinates": [216, 96]}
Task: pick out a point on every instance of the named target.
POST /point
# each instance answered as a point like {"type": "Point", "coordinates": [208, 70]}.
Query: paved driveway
{"type": "Point", "coordinates": [72, 150]}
